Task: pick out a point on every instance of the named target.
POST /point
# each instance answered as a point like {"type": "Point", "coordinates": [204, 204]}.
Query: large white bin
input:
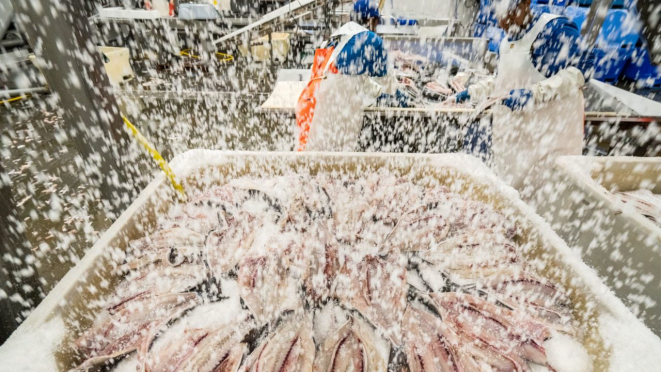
{"type": "Point", "coordinates": [610, 328]}
{"type": "Point", "coordinates": [621, 244]}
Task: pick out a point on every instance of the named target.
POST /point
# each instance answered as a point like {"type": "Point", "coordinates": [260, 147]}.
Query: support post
{"type": "Point", "coordinates": [63, 40]}
{"type": "Point", "coordinates": [19, 287]}
{"type": "Point", "coordinates": [651, 27]}
{"type": "Point", "coordinates": [595, 19]}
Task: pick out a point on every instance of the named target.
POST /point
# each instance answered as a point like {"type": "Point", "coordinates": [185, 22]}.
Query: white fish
{"type": "Point", "coordinates": [351, 348]}
{"type": "Point", "coordinates": [131, 327]}
{"type": "Point", "coordinates": [290, 348]}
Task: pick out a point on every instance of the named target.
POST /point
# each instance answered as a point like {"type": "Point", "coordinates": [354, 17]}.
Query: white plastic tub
{"type": "Point", "coordinates": [610, 328]}
{"type": "Point", "coordinates": [260, 49]}
{"type": "Point", "coordinates": [142, 14]}
{"type": "Point", "coordinates": [621, 244]}
{"type": "Point", "coordinates": [112, 12]}
{"type": "Point", "coordinates": [118, 66]}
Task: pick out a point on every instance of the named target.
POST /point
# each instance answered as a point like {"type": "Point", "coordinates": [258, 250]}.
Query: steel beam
{"type": "Point", "coordinates": [649, 17]}
{"type": "Point", "coordinates": [6, 16]}
{"type": "Point", "coordinates": [63, 40]}
{"type": "Point", "coordinates": [595, 19]}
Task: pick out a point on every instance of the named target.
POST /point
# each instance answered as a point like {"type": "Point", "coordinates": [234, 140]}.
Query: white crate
{"type": "Point", "coordinates": [113, 12]}
{"type": "Point", "coordinates": [142, 14]}
{"type": "Point", "coordinates": [621, 244]}
{"type": "Point", "coordinates": [610, 327]}
{"type": "Point", "coordinates": [261, 50]}
{"type": "Point", "coordinates": [118, 67]}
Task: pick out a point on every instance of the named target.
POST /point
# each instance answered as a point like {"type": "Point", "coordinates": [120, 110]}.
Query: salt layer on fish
{"type": "Point", "coordinates": [288, 247]}
{"type": "Point", "coordinates": [206, 316]}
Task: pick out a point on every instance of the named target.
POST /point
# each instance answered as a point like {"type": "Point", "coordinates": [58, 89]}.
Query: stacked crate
{"type": "Point", "coordinates": [616, 41]}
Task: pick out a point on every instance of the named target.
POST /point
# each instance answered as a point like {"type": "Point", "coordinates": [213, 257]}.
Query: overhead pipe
{"type": "Point", "coordinates": [18, 92]}
{"type": "Point", "coordinates": [11, 43]}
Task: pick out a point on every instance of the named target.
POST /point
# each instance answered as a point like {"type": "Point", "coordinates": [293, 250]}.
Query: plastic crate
{"type": "Point", "coordinates": [493, 33]}
{"type": "Point", "coordinates": [609, 63]}
{"type": "Point", "coordinates": [495, 36]}
{"type": "Point", "coordinates": [546, 8]}
{"type": "Point", "coordinates": [560, 3]}
{"type": "Point", "coordinates": [485, 16]}
{"type": "Point", "coordinates": [576, 14]}
{"type": "Point", "coordinates": [587, 3]}
{"type": "Point", "coordinates": [618, 29]}
{"type": "Point", "coordinates": [541, 8]}
{"type": "Point", "coordinates": [582, 190]}
{"type": "Point", "coordinates": [479, 29]}
{"type": "Point", "coordinates": [71, 303]}
{"type": "Point", "coordinates": [640, 69]}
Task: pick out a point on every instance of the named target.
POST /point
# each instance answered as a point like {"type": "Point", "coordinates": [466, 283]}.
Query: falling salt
{"type": "Point", "coordinates": [565, 354]}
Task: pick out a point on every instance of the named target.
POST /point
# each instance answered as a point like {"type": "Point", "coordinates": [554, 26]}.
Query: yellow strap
{"type": "Point", "coordinates": [159, 159]}
{"type": "Point", "coordinates": [14, 99]}
{"type": "Point", "coordinates": [226, 57]}
{"type": "Point", "coordinates": [186, 52]}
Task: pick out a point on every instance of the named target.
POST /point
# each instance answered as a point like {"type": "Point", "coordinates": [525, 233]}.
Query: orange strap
{"type": "Point", "coordinates": [308, 101]}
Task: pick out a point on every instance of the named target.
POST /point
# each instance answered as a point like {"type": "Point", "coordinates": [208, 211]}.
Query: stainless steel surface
{"type": "Point", "coordinates": [11, 43]}
{"type": "Point", "coordinates": [18, 92]}
{"type": "Point", "coordinates": [6, 16]}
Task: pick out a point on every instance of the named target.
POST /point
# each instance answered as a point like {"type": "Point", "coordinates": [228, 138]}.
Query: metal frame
{"type": "Point", "coordinates": [651, 31]}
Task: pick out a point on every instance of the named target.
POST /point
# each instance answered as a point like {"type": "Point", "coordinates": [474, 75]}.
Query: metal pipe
{"type": "Point", "coordinates": [11, 43]}
{"type": "Point", "coordinates": [18, 92]}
